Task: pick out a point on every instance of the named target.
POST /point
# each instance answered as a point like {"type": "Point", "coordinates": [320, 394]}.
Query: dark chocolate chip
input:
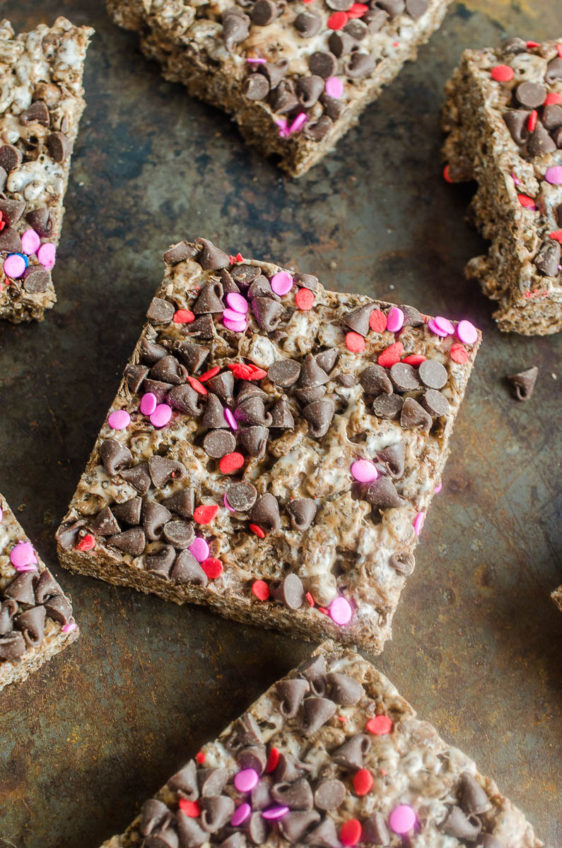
{"type": "Point", "coordinates": [151, 352]}
{"type": "Point", "coordinates": [350, 754]}
{"type": "Point", "coordinates": [131, 541]}
{"type": "Point", "coordinates": [12, 210]}
{"type": "Point", "coordinates": [382, 494]}
{"type": "Point", "coordinates": [474, 800]}
{"type": "Point", "coordinates": [242, 496]}
{"type": "Point", "coordinates": [339, 5]}
{"type": "Point", "coordinates": [289, 591]}
{"type": "Point", "coordinates": [552, 116]}
{"type": "Point", "coordinates": [319, 415]}
{"type": "Point", "coordinates": [36, 280]}
{"type": "Point", "coordinates": [12, 647]}
{"type": "Point", "coordinates": [254, 440]}
{"type": "Point", "coordinates": [179, 533]}
{"type": "Point", "coordinates": [344, 690]}
{"type": "Point", "coordinates": [185, 781]}
{"type": "Point", "coordinates": [186, 569]}
{"type": "Point", "coordinates": [433, 374]}
{"type": "Point", "coordinates": [308, 24]}
{"type": "Point", "coordinates": [256, 87]}
{"type": "Point", "coordinates": [457, 824]}
{"type": "Point", "coordinates": [10, 240]}
{"type": "Point", "coordinates": [283, 98]}
{"type": "Point", "coordinates": [416, 8]}
{"type": "Point", "coordinates": [264, 12]}
{"type": "Point", "coordinates": [182, 502]}
{"type": "Point", "coordinates": [530, 95]}
{"type": "Point", "coordinates": [309, 90]}
{"type": "Point", "coordinates": [388, 406]}
{"type": "Point", "coordinates": [105, 523]}
{"type": "Point", "coordinates": [202, 326]}
{"type": "Point", "coordinates": [134, 376]}
{"type": "Point", "coordinates": [21, 588]}
{"type": "Point", "coordinates": [296, 795]}
{"type": "Point", "coordinates": [375, 830]}
{"type": "Point", "coordinates": [404, 377]}
{"type": "Point", "coordinates": [324, 836]}
{"type": "Point", "coordinates": [393, 458]}
{"type": "Point", "coordinates": [37, 112]}
{"type": "Point", "coordinates": [216, 811]}
{"type": "Point", "coordinates": [211, 257]}
{"type": "Point", "coordinates": [346, 380]}
{"type": "Point", "coordinates": [314, 669]}
{"type": "Point", "coordinates": [315, 713]}
{"type": "Point", "coordinates": [58, 146]}
{"type": "Point", "coordinates": [169, 370]}
{"type": "Point", "coordinates": [294, 825]}
{"type": "Point", "coordinates": [236, 27]}
{"type": "Point", "coordinates": [114, 456]}
{"type": "Point", "coordinates": [159, 389]}
{"type": "Point", "coordinates": [10, 157]}
{"type": "Point", "coordinates": [191, 834]}
{"type": "Point", "coordinates": [218, 443]}
{"type": "Point", "coordinates": [40, 219]}
{"type": "Point", "coordinates": [517, 123]}
{"type": "Point", "coordinates": [340, 43]}
{"type": "Point", "coordinates": [356, 29]}
{"type": "Point", "coordinates": [179, 253]}
{"type": "Point", "coordinates": [67, 533]}
{"type": "Point", "coordinates": [553, 71]}
{"type": "Point", "coordinates": [160, 311]}
{"type": "Point", "coordinates": [185, 399]}
{"type": "Point", "coordinates": [412, 317]}
{"type": "Point", "coordinates": [257, 829]}
{"type": "Point", "coordinates": [254, 756]}
{"type": "Point", "coordinates": [261, 287]}
{"type": "Point", "coordinates": [222, 385]}
{"type": "Point", "coordinates": [192, 355]}
{"type": "Point", "coordinates": [163, 470]}
{"type": "Point", "coordinates": [393, 7]}
{"type": "Point", "coordinates": [138, 477]}
{"type": "Point", "coordinates": [312, 374]}
{"type": "Point", "coordinates": [247, 390]}
{"type": "Point", "coordinates": [244, 274]}
{"type": "Point", "coordinates": [235, 840]}
{"type": "Point", "coordinates": [523, 383]}
{"type": "Point", "coordinates": [291, 694]}
{"type": "Point", "coordinates": [327, 359]}
{"type": "Point", "coordinates": [284, 372]}
{"type": "Point", "coordinates": [265, 512]}
{"type": "Point", "coordinates": [414, 416]}
{"type": "Point", "coordinates": [209, 299]}
{"type": "Point", "coordinates": [322, 64]}
{"type": "Point", "coordinates": [160, 562]}
{"type": "Point", "coordinates": [489, 841]}
{"type": "Point", "coordinates": [274, 71]}
{"type": "Point", "coordinates": [59, 609]}
{"type": "Point", "coordinates": [514, 45]}
{"type": "Point", "coordinates": [375, 19]}
{"type": "Point", "coordinates": [329, 794]}
{"type": "Point", "coordinates": [403, 563]}
{"type": "Point", "coordinates": [435, 402]}
{"type": "Point", "coordinates": [306, 396]}
{"type": "Point", "coordinates": [358, 319]}
{"type": "Point", "coordinates": [46, 587]}
{"type": "Point", "coordinates": [267, 313]}
{"type": "Point", "coordinates": [540, 141]}
{"type": "Point", "coordinates": [281, 415]}
{"type": "Point", "coordinates": [252, 413]}
{"type": "Point", "coordinates": [302, 512]}
{"type": "Point", "coordinates": [154, 814]}
{"type": "Point", "coordinates": [547, 259]}
{"type": "Point", "coordinates": [306, 281]}
{"type": "Point", "coordinates": [211, 781]}
{"type": "Point", "coordinates": [375, 380]}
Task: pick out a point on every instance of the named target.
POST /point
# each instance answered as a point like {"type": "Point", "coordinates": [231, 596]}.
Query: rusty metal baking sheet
{"type": "Point", "coordinates": [477, 640]}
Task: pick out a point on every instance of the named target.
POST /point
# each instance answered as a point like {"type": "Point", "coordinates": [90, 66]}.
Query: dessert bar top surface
{"type": "Point", "coordinates": [272, 444]}
{"type": "Point", "coordinates": [40, 107]}
{"type": "Point", "coordinates": [330, 756]}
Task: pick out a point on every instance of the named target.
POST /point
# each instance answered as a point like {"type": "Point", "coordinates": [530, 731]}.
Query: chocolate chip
{"type": "Point", "coordinates": [375, 380]}
{"type": "Point", "coordinates": [211, 781]}
{"type": "Point", "coordinates": [264, 12]}
{"type": "Point", "coordinates": [10, 157]}
{"type": "Point", "coordinates": [21, 588]}
{"type": "Point", "coordinates": [344, 690]}
{"type": "Point", "coordinates": [436, 403]}
{"type": "Point", "coordinates": [185, 781]}
{"type": "Point", "coordinates": [12, 647]}
{"type": "Point", "coordinates": [131, 541]}
{"type": "Point", "coordinates": [159, 389]}
{"type": "Point", "coordinates": [517, 124]}
{"type": "Point", "coordinates": [247, 390]}
{"type": "Point", "coordinates": [254, 440]}
{"type": "Point", "coordinates": [319, 415]}
{"type": "Point", "coordinates": [404, 377]}
{"type": "Point", "coordinates": [179, 253]}
{"type": "Point", "coordinates": [393, 458]}
{"type": "Point", "coordinates": [339, 5]}
{"type": "Point", "coordinates": [284, 372]}
{"type": "Point", "coordinates": [186, 569]}
{"type": "Point", "coordinates": [489, 841]}
{"type": "Point", "coordinates": [185, 399]}
{"type": "Point", "coordinates": [557, 138]}
{"type": "Point", "coordinates": [281, 415]}
{"type": "Point", "coordinates": [474, 799]}
{"type": "Point", "coordinates": [375, 830]}
{"type": "Point", "coordinates": [163, 470]}
{"type": "Point", "coordinates": [154, 814]}
{"type": "Point", "coordinates": [209, 299]}
{"type": "Point", "coordinates": [388, 406]}
{"type": "Point", "coordinates": [315, 713]}
{"type": "Point", "coordinates": [295, 824]}
{"type": "Point", "coordinates": [169, 370]}
{"type": "Point", "coordinates": [530, 95]}
{"type": "Point", "coordinates": [433, 374]}
{"type": "Point", "coordinates": [356, 29]}
{"type": "Point", "coordinates": [375, 19]}
{"type": "Point", "coordinates": [58, 146]}
{"type": "Point", "coordinates": [324, 836]}
{"type": "Point", "coordinates": [138, 477]}
{"type": "Point", "coordinates": [105, 523]}
{"type": "Point", "coordinates": [540, 141]}
{"type": "Point", "coordinates": [46, 587]}
{"type": "Point", "coordinates": [523, 383]}
{"type": "Point", "coordinates": [457, 824]}
{"type": "Point", "coordinates": [514, 45]}
{"type": "Point", "coordinates": [37, 112]}
{"type": "Point", "coordinates": [256, 87]}
{"type": "Point", "coordinates": [211, 257]}
{"type": "Point", "coordinates": [267, 313]}
{"type": "Point", "coordinates": [261, 287]}
{"type": "Point", "coordinates": [327, 359]}
{"type": "Point", "coordinates": [309, 90]}
{"type": "Point", "coordinates": [358, 319]}
{"type": "Point", "coordinates": [312, 374]}
{"type": "Point", "coordinates": [283, 98]}
{"type": "Point", "coordinates": [403, 563]}
{"type": "Point", "coordinates": [416, 8]}
{"type": "Point", "coordinates": [216, 811]}
{"type": "Point", "coordinates": [218, 443]}
{"type": "Point", "coordinates": [265, 512]}
{"type": "Point", "coordinates": [213, 417]}
{"type": "Point", "coordinates": [412, 317]}
{"type": "Point", "coordinates": [179, 533]}
{"type": "Point", "coordinates": [59, 609]}
{"type": "Point", "coordinates": [241, 496]}
{"type": "Point", "coordinates": [160, 311]}
{"type": "Point", "coordinates": [552, 116]}
{"type": "Point", "coordinates": [40, 219]}
{"type": "Point", "coordinates": [553, 71]}
{"type": "Point", "coordinates": [150, 352]}
{"type": "Point", "coordinates": [291, 693]}
{"type": "Point", "coordinates": [393, 7]}
{"type": "Point", "coordinates": [302, 512]}
{"type": "Point", "coordinates": [329, 794]}
{"type": "Point", "coordinates": [236, 27]}
{"type": "Point", "coordinates": [306, 396]}
{"type": "Point", "coordinates": [306, 281]}
{"type": "Point", "coordinates": [274, 71]}
{"type": "Point", "coordinates": [308, 24]}
{"type": "Point", "coordinates": [340, 43]}
{"type": "Point", "coordinates": [296, 795]}
{"type": "Point", "coordinates": [322, 64]}
{"type": "Point", "coordinates": [350, 754]}
{"type": "Point", "coordinates": [8, 609]}
{"type": "Point", "coordinates": [10, 240]}
{"type": "Point", "coordinates": [315, 670]}
{"type": "Point", "coordinates": [36, 280]}
{"type": "Point", "coordinates": [257, 829]}
{"type": "Point", "coordinates": [252, 412]}
{"type": "Point", "coordinates": [154, 517]}
{"type": "Point", "coordinates": [192, 355]}
{"type": "Point", "coordinates": [114, 456]}
{"type": "Point", "coordinates": [134, 376]}
{"type": "Point", "coordinates": [260, 797]}
{"type": "Point", "coordinates": [254, 756]}
{"type": "Point", "coordinates": [414, 416]}
{"type": "Point", "coordinates": [547, 259]}
{"type": "Point", "coordinates": [181, 502]}
{"type": "Point", "coordinates": [235, 840]}
{"type": "Point", "coordinates": [382, 494]}
{"type": "Point", "coordinates": [289, 591]}
{"type": "Point", "coordinates": [160, 562]}
{"type": "Point", "coordinates": [190, 833]}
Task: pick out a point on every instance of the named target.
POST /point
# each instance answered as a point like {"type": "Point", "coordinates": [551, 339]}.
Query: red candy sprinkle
{"type": "Point", "coordinates": [338, 20]}
{"type": "Point", "coordinates": [380, 725]}
{"type": "Point", "coordinates": [237, 258]}
{"type": "Point", "coordinates": [231, 462]}
{"type": "Point", "coordinates": [391, 355]}
{"type": "Point", "coordinates": [190, 808]}
{"type": "Point", "coordinates": [200, 757]}
{"type": "Point", "coordinates": [357, 10]}
{"type": "Point", "coordinates": [272, 761]}
{"type": "Point", "coordinates": [257, 531]}
{"type": "Point", "coordinates": [354, 342]}
{"type": "Point", "coordinates": [304, 299]}
{"type": "Point", "coordinates": [2, 222]}
{"type": "Point", "coordinates": [526, 201]}
{"type": "Point", "coordinates": [212, 372]}
{"type": "Point", "coordinates": [212, 567]}
{"type": "Point", "coordinates": [502, 73]}
{"type": "Point", "coordinates": [414, 359]}
{"type": "Point", "coordinates": [183, 316]}
{"type": "Point", "coordinates": [532, 44]}
{"type": "Point", "coordinates": [362, 781]}
{"type": "Point", "coordinates": [447, 174]}
{"type": "Point", "coordinates": [532, 120]}
{"type": "Point", "coordinates": [247, 372]}
{"type": "Point", "coordinates": [459, 354]}
{"type": "Point", "coordinates": [86, 543]}
{"type": "Point", "coordinates": [377, 321]}
{"type": "Point", "coordinates": [559, 49]}
{"type": "Point", "coordinates": [197, 386]}
{"type": "Point", "coordinates": [556, 235]}
{"type": "Point", "coordinates": [553, 98]}
{"type": "Point", "coordinates": [350, 832]}
{"type": "Point", "coordinates": [260, 590]}
{"type": "Point", "coordinates": [257, 373]}
{"type": "Point", "coordinates": [310, 599]}
{"type": "Point", "coordinates": [205, 513]}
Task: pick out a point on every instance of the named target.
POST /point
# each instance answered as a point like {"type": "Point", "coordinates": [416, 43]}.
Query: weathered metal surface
{"type": "Point", "coordinates": [475, 647]}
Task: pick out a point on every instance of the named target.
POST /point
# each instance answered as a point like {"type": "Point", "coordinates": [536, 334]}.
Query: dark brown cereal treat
{"type": "Point", "coordinates": [503, 117]}
{"type": "Point", "coordinates": [35, 615]}
{"type": "Point", "coordinates": [241, 471]}
{"type": "Point", "coordinates": [294, 75]}
{"type": "Point", "coordinates": [329, 756]}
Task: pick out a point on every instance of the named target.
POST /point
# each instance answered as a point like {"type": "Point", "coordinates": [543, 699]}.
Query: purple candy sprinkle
{"type": "Point", "coordinates": [444, 325]}
{"type": "Point", "coordinates": [281, 283]}
{"type": "Point", "coordinates": [340, 611]}
{"type": "Point", "coordinates": [241, 815]}
{"type": "Point", "coordinates": [553, 175]}
{"type": "Point", "coordinates": [119, 419]}
{"type": "Point", "coordinates": [418, 522]}
{"type": "Point", "coordinates": [227, 505]}
{"type": "Point", "coordinates": [22, 557]}
{"type": "Point", "coordinates": [364, 471]}
{"type": "Point", "coordinates": [257, 61]}
{"type": "Point", "coordinates": [236, 302]}
{"type": "Point", "coordinates": [199, 548]}
{"type": "Point", "coordinates": [274, 813]}
{"type": "Point", "coordinates": [230, 419]}
{"type": "Point", "coordinates": [299, 122]}
{"type": "Point", "coordinates": [395, 320]}
{"type": "Point", "coordinates": [334, 87]}
{"type": "Point", "coordinates": [161, 415]}
{"type": "Point", "coordinates": [431, 325]}
{"type": "Point", "coordinates": [467, 332]}
{"type": "Point", "coordinates": [148, 403]}
{"type": "Point", "coordinates": [246, 780]}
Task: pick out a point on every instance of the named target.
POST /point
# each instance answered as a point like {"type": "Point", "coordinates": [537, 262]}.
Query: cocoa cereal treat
{"type": "Point", "coordinates": [330, 756]}
{"type": "Point", "coordinates": [295, 75]}
{"type": "Point", "coordinates": [272, 449]}
{"type": "Point", "coordinates": [503, 117]}
{"type": "Point", "coordinates": [35, 615]}
{"type": "Point", "coordinates": [40, 108]}
{"type": "Point", "coordinates": [557, 597]}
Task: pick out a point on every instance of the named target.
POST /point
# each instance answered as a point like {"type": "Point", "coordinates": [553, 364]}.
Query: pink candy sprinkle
{"type": "Point", "coordinates": [200, 549]}
{"type": "Point", "coordinates": [230, 419]}
{"type": "Point", "coordinates": [281, 283]}
{"type": "Point", "coordinates": [418, 522]}
{"type": "Point", "coordinates": [334, 87]}
{"type": "Point", "coordinates": [1, 513]}
{"type": "Point", "coordinates": [23, 557]}
{"type": "Point", "coordinates": [257, 61]}
{"type": "Point", "coordinates": [227, 505]}
{"type": "Point", "coordinates": [14, 266]}
{"type": "Point", "coordinates": [435, 329]}
{"type": "Point", "coordinates": [553, 175]}
{"type": "Point", "coordinates": [274, 813]}
{"type": "Point", "coordinates": [395, 320]}
{"type": "Point", "coordinates": [438, 488]}
{"type": "Point", "coordinates": [235, 326]}
{"type": "Point", "coordinates": [467, 332]}
{"type": "Point", "coordinates": [340, 611]}
{"type": "Point", "coordinates": [233, 316]}
{"type": "Point", "coordinates": [364, 471]}
{"type": "Point", "coordinates": [444, 325]}
{"type": "Point", "coordinates": [246, 779]}
{"type": "Point", "coordinates": [70, 627]}
{"type": "Point", "coordinates": [237, 302]}
{"type": "Point", "coordinates": [148, 403]}
{"type": "Point", "coordinates": [161, 415]}
{"type": "Point", "coordinates": [30, 242]}
{"type": "Point", "coordinates": [47, 254]}
{"type": "Point", "coordinates": [241, 815]}
{"type": "Point", "coordinates": [402, 819]}
{"type": "Point", "coordinates": [119, 419]}
{"type": "Point", "coordinates": [299, 122]}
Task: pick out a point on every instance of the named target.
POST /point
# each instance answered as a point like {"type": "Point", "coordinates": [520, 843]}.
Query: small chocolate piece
{"type": "Point", "coordinates": [412, 316]}
{"type": "Point", "coordinates": [433, 374]}
{"type": "Point", "coordinates": [163, 470]}
{"type": "Point", "coordinates": [185, 399]}
{"type": "Point", "coordinates": [312, 374]}
{"type": "Point", "coordinates": [169, 370]}
{"type": "Point", "coordinates": [236, 28]}
{"type": "Point", "coordinates": [360, 65]}
{"type": "Point", "coordinates": [186, 569]}
{"type": "Point", "coordinates": [402, 563]}
{"type": "Point", "coordinates": [393, 458]}
{"type": "Point", "coordinates": [341, 43]}
{"type": "Point", "coordinates": [235, 840]}
{"type": "Point", "coordinates": [21, 588]}
{"type": "Point", "coordinates": [10, 241]}
{"type": "Point", "coordinates": [192, 355]}
{"type": "Point", "coordinates": [267, 313]}
{"type": "Point", "coordinates": [253, 440]}
{"type": "Point", "coordinates": [105, 523]}
{"type": "Point", "coordinates": [59, 609]}
{"type": "Point", "coordinates": [553, 70]}
{"type": "Point", "coordinates": [319, 415]}
{"type": "Point", "coordinates": [10, 157]}
{"type": "Point", "coordinates": [40, 219]}
{"type": "Point", "coordinates": [160, 562]}
{"type": "Point", "coordinates": [254, 756]}
{"type": "Point", "coordinates": [552, 116]}
{"type": "Point", "coordinates": [356, 29]}
{"type": "Point", "coordinates": [265, 512]}
{"type": "Point", "coordinates": [216, 811]}
{"type": "Point", "coordinates": [291, 694]}
{"type": "Point", "coordinates": [202, 326]}
{"type": "Point", "coordinates": [256, 87]}
{"type": "Point", "coordinates": [296, 795]}
{"type": "Point", "coordinates": [264, 12]}
{"type": "Point", "coordinates": [295, 824]}
{"type": "Point", "coordinates": [211, 257]}
{"type": "Point", "coordinates": [160, 311]}
{"type": "Point", "coordinates": [218, 443]}
{"type": "Point", "coordinates": [530, 95]}
{"type": "Point", "coordinates": [185, 781]}
{"type": "Point", "coordinates": [414, 416]}
{"type": "Point", "coordinates": [392, 7]}
{"type": "Point", "coordinates": [281, 415]}
{"type": "Point", "coordinates": [257, 829]}
{"type": "Point", "coordinates": [36, 280]}
{"type": "Point", "coordinates": [457, 824]}
{"type": "Point", "coordinates": [517, 124]}
{"type": "Point", "coordinates": [244, 274]}
{"type": "Point", "coordinates": [182, 502]}
{"type": "Point", "coordinates": [474, 800]}
{"type": "Point", "coordinates": [315, 713]}
{"type": "Point", "coordinates": [540, 141]}
{"type": "Point", "coordinates": [375, 830]}
{"type": "Point", "coordinates": [339, 5]}
{"type": "Point", "coordinates": [306, 396]}
{"type": "Point", "coordinates": [58, 146]}
{"type": "Point", "coordinates": [32, 624]}
{"type": "Point", "coordinates": [209, 299]}
{"type": "Point", "coordinates": [382, 494]}
{"type": "Point", "coordinates": [36, 113]}
{"type": "Point", "coordinates": [388, 406]}
{"type": "Point", "coordinates": [179, 533]}
{"type": "Point", "coordinates": [306, 281]}
{"type": "Point", "coordinates": [179, 253]}
{"type": "Point", "coordinates": [252, 413]}
{"type": "Point", "coordinates": [12, 647]}
{"type": "Point", "coordinates": [154, 814]}
{"type": "Point", "coordinates": [344, 690]}
{"type": "Point", "coordinates": [134, 375]}
{"type": "Point", "coordinates": [436, 403]}
{"type": "Point", "coordinates": [151, 352]}
{"type": "Point", "coordinates": [222, 385]}
{"type": "Point", "coordinates": [308, 24]}
{"type": "Point", "coordinates": [114, 456]}
{"type": "Point", "coordinates": [322, 64]}
{"type": "Point", "coordinates": [375, 380]}
{"type": "Point", "coordinates": [309, 90]}
{"type": "Point", "coordinates": [241, 496]}
{"type": "Point", "coordinates": [523, 383]}
{"type": "Point", "coordinates": [404, 377]}
{"type": "Point", "coordinates": [350, 754]}
{"type": "Point", "coordinates": [211, 781]}
{"type": "Point", "coordinates": [283, 99]}
{"type": "Point", "coordinates": [327, 359]}
{"type": "Point", "coordinates": [289, 591]}
{"type": "Point", "coordinates": [416, 8]}
{"type": "Point", "coordinates": [547, 259]}
{"type": "Point", "coordinates": [156, 387]}
{"type": "Point", "coordinates": [46, 587]}
{"type": "Point", "coordinates": [358, 319]}
{"type": "Point", "coordinates": [132, 542]}
{"type": "Point", "coordinates": [138, 477]}
{"type": "Point", "coordinates": [191, 834]}
{"type": "Point", "coordinates": [302, 512]}
{"type": "Point", "coordinates": [329, 794]}
{"type": "Point", "coordinates": [324, 836]}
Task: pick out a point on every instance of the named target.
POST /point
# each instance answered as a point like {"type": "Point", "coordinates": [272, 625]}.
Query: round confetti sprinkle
{"type": "Point", "coordinates": [260, 589]}
{"type": "Point", "coordinates": [362, 782]}
{"type": "Point", "coordinates": [459, 354]}
{"type": "Point", "coordinates": [274, 813]}
{"type": "Point", "coordinates": [444, 325]}
{"type": "Point", "coordinates": [350, 832]}
{"type": "Point", "coordinates": [334, 87]}
{"type": "Point", "coordinates": [553, 98]}
{"type": "Point", "coordinates": [438, 488]}
{"type": "Point", "coordinates": [467, 332]}
{"type": "Point", "coordinates": [197, 386]}
{"type": "Point", "coordinates": [364, 471]}
{"type": "Point", "coordinates": [257, 531]}
{"type": "Point", "coordinates": [30, 242]}
{"type": "Point", "coordinates": [230, 419]}
{"type": "Point", "coordinates": [233, 317]}
{"type": "Point", "coordinates": [237, 302]}
{"type": "Point", "coordinates": [86, 543]}
{"type": "Point", "coordinates": [553, 175]}
{"type": "Point", "coordinates": [69, 627]}
{"type": "Point", "coordinates": [231, 463]}
{"type": "Point", "coordinates": [190, 808]}
{"type": "Point", "coordinates": [556, 235]}
{"type": "Point", "coordinates": [281, 283]}
{"type": "Point", "coordinates": [414, 359]}
{"type": "Point", "coordinates": [354, 342]}
{"type": "Point", "coordinates": [418, 522]}
{"type": "Point", "coordinates": [22, 557]}
{"type": "Point", "coordinates": [337, 21]}
{"type": "Point", "coordinates": [402, 819]}
{"type": "Point", "coordinates": [435, 329]}
{"type": "Point", "coordinates": [212, 567]}
{"type": "Point", "coordinates": [161, 415]}
{"type": "Point", "coordinates": [241, 814]}
{"type": "Point", "coordinates": [526, 202]}
{"type": "Point", "coordinates": [395, 320]}
{"type": "Point", "coordinates": [148, 403]}
{"type": "Point", "coordinates": [183, 316]}
{"type": "Point", "coordinates": [377, 321]}
{"type": "Point", "coordinates": [379, 725]}
{"type": "Point", "coordinates": [235, 326]}
{"type": "Point", "coordinates": [119, 419]}
{"type": "Point", "coordinates": [227, 505]}
{"type": "Point", "coordinates": [391, 355]}
{"type": "Point", "coordinates": [340, 611]}
{"type": "Point", "coordinates": [272, 760]}
{"type": "Point", "coordinates": [212, 372]}
{"type": "Point", "coordinates": [502, 73]}
{"type": "Point", "coordinates": [199, 549]}
{"type": "Point", "coordinates": [304, 299]}
{"type": "Point", "coordinates": [200, 757]}
{"type": "Point", "coordinates": [47, 254]}
{"type": "Point", "coordinates": [15, 265]}
{"type": "Point", "coordinates": [246, 780]}
{"type": "Point", "coordinates": [205, 513]}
